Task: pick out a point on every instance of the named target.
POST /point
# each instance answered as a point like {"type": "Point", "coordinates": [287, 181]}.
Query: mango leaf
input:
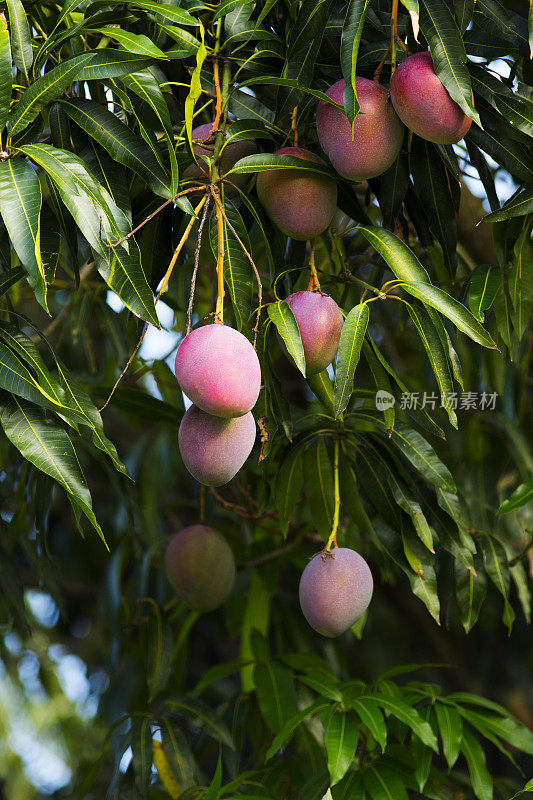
{"type": "Point", "coordinates": [522, 495]}
{"type": "Point", "coordinates": [448, 53]}
{"type": "Point", "coordinates": [141, 748]}
{"type": "Point", "coordinates": [383, 783]}
{"type": "Point", "coordinates": [195, 91]}
{"type": "Point", "coordinates": [119, 141]}
{"type": "Point", "coordinates": [484, 283]}
{"type": "Point", "coordinates": [6, 71]}
{"type": "Point", "coordinates": [451, 731]}
{"type": "Point", "coordinates": [48, 87]}
{"type": "Point", "coordinates": [283, 318]}
{"type": "Point", "coordinates": [370, 715]}
{"type": "Point", "coordinates": [10, 278]}
{"type": "Point", "coordinates": [511, 155]}
{"type": "Point", "coordinates": [266, 162]}
{"type": "Point", "coordinates": [288, 485]}
{"type": "Point", "coordinates": [352, 337]}
{"type": "Point", "coordinates": [451, 308]}
{"type": "Point", "coordinates": [20, 206]}
{"type": "Point", "coordinates": [470, 590]}
{"type": "Point", "coordinates": [423, 457]}
{"type": "Point", "coordinates": [477, 766]}
{"type": "Point", "coordinates": [286, 733]}
{"type": "Point", "coordinates": [398, 255]}
{"type": "Point", "coordinates": [275, 693]}
{"type": "Point", "coordinates": [132, 42]}
{"type": "Point", "coordinates": [166, 10]}
{"type": "Point", "coordinates": [518, 110]}
{"type": "Point", "coordinates": [422, 755]}
{"type": "Point", "coordinates": [195, 709]}
{"type": "Point", "coordinates": [437, 356]}
{"type": "Point", "coordinates": [394, 184]}
{"type": "Point", "coordinates": [112, 63]}
{"type": "Point", "coordinates": [409, 716]}
{"type": "Point", "coordinates": [42, 441]}
{"type": "Point", "coordinates": [21, 39]}
{"type": "Point", "coordinates": [237, 269]}
{"type": "Point", "coordinates": [517, 206]}
{"type": "Point", "coordinates": [497, 566]}
{"type": "Point", "coordinates": [342, 735]}
{"type": "Point", "coordinates": [318, 479]}
{"type": "Point", "coordinates": [520, 279]}
{"type": "Point", "coordinates": [350, 38]}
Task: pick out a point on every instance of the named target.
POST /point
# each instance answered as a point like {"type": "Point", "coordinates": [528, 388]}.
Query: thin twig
{"type": "Point", "coordinates": [294, 125]}
{"type": "Point", "coordinates": [152, 215]}
{"type": "Point", "coordinates": [250, 259]}
{"type": "Point", "coordinates": [85, 271]}
{"type": "Point", "coordinates": [218, 95]}
{"type": "Point", "coordinates": [219, 309]}
{"type": "Point", "coordinates": [196, 265]}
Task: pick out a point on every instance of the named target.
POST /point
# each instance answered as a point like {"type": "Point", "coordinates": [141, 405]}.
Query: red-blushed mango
{"type": "Point", "coordinates": [320, 321]}
{"type": "Point", "coordinates": [213, 448]}
{"type": "Point", "coordinates": [200, 566]}
{"type": "Point", "coordinates": [377, 131]}
{"type": "Point", "coordinates": [335, 592]}
{"type": "Point", "coordinates": [423, 103]}
{"type": "Point", "coordinates": [219, 371]}
{"type": "Point", "coordinates": [300, 203]}
{"type": "Point", "coordinates": [232, 153]}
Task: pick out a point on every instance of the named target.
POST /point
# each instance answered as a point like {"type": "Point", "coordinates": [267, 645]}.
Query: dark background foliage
{"type": "Point", "coordinates": [109, 686]}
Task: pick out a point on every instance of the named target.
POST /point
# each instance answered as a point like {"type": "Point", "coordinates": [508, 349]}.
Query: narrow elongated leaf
{"type": "Point", "coordinates": [398, 255]}
{"type": "Point", "coordinates": [286, 733]}
{"type": "Point", "coordinates": [484, 283]}
{"type": "Point", "coordinates": [238, 273]}
{"type": "Point", "coordinates": [477, 766]}
{"type": "Point", "coordinates": [195, 91]}
{"type": "Point", "coordinates": [9, 279]}
{"type": "Point", "coordinates": [20, 206]}
{"type": "Point", "coordinates": [522, 495]}
{"type": "Point", "coordinates": [342, 734]}
{"type": "Point", "coordinates": [451, 731]}
{"type": "Point", "coordinates": [518, 110]}
{"type": "Point", "coordinates": [44, 443]}
{"type": "Point", "coordinates": [119, 141]}
{"type": "Point", "coordinates": [48, 87]}
{"type": "Point", "coordinates": [267, 162]}
{"type": "Point", "coordinates": [289, 484]}
{"type": "Point", "coordinates": [112, 63]}
{"type": "Point", "coordinates": [437, 356]}
{"type": "Point", "coordinates": [318, 478]}
{"type": "Point", "coordinates": [141, 746]}
{"type": "Point", "coordinates": [423, 457]}
{"type": "Point", "coordinates": [195, 709]}
{"type": "Point", "coordinates": [5, 71]}
{"type": "Point", "coordinates": [393, 187]}
{"type": "Point", "coordinates": [409, 716]}
{"type": "Point", "coordinates": [20, 37]}
{"type": "Point", "coordinates": [517, 206]}
{"type": "Point", "coordinates": [422, 755]}
{"type": "Point", "coordinates": [382, 783]}
{"type": "Point", "coordinates": [352, 337]}
{"type": "Point", "coordinates": [276, 695]}
{"type": "Point", "coordinates": [166, 10]}
{"type": "Point", "coordinates": [470, 590]}
{"type": "Point", "coordinates": [520, 279]}
{"type": "Point", "coordinates": [133, 42]}
{"type": "Point", "coordinates": [497, 566]}
{"type": "Point", "coordinates": [451, 308]}
{"type": "Point", "coordinates": [350, 38]}
{"type": "Point", "coordinates": [283, 318]}
{"type": "Point", "coordinates": [448, 53]}
{"type": "Point", "coordinates": [371, 716]}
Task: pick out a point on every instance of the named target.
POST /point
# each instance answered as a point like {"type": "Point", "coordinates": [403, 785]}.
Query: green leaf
{"type": "Point", "coordinates": [422, 755]}
{"type": "Point", "coordinates": [318, 480]}
{"type": "Point", "coordinates": [451, 731]}
{"type": "Point", "coordinates": [342, 734]}
{"type": "Point", "coordinates": [510, 154]}
{"type": "Point", "coordinates": [288, 484]}
{"type": "Point", "coordinates": [275, 693]}
{"type": "Point", "coordinates": [370, 714]}
{"type": "Point", "coordinates": [448, 53]}
{"type": "Point", "coordinates": [10, 278]}
{"type": "Point", "coordinates": [437, 355]}
{"type": "Point", "coordinates": [409, 716]}
{"type": "Point", "coordinates": [352, 336]}
{"type": "Point", "coordinates": [520, 279]}
{"type": "Point", "coordinates": [132, 42]}
{"type": "Point", "coordinates": [166, 10]}
{"type": "Point", "coordinates": [141, 747]}
{"type": "Point", "coordinates": [522, 495]}
{"type": "Point", "coordinates": [119, 141]}
{"type": "Point", "coordinates": [195, 709]}
{"type": "Point", "coordinates": [423, 457]}
{"type": "Point", "coordinates": [266, 162]}
{"type": "Point", "coordinates": [245, 129]}
{"type": "Point", "coordinates": [112, 63]}
{"type": "Point", "coordinates": [238, 273]}
{"type": "Point", "coordinates": [6, 72]}
{"type": "Point", "coordinates": [517, 206]}
{"type": "Point", "coordinates": [350, 39]}
{"type": "Point", "coordinates": [283, 318]}
{"type": "Point", "coordinates": [48, 87]}
{"type": "Point", "coordinates": [20, 37]}
{"type": "Point", "coordinates": [286, 733]}
{"type": "Point", "coordinates": [470, 590]}
{"type": "Point", "coordinates": [20, 206]}
{"type": "Point", "coordinates": [497, 566]}
{"type": "Point", "coordinates": [98, 217]}
{"type": "Point", "coordinates": [484, 283]}
{"type": "Point", "coordinates": [213, 791]}
{"type": "Point", "coordinates": [382, 783]}
{"type": "Point", "coordinates": [400, 258]}
{"type": "Point", "coordinates": [451, 308]}
{"type": "Point", "coordinates": [505, 727]}
{"type": "Point", "coordinates": [394, 184]}
{"type": "Point", "coordinates": [414, 510]}
{"type": "Point", "coordinates": [517, 110]}
{"type": "Point", "coordinates": [44, 443]}
{"type": "Point", "coordinates": [321, 386]}
{"type": "Point", "coordinates": [195, 90]}
{"type": "Point", "coordinates": [477, 766]}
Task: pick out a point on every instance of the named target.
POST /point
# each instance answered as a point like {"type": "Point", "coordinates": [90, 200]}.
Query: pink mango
{"type": "Point", "coordinates": [320, 322]}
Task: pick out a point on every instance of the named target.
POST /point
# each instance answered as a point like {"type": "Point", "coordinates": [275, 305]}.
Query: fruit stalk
{"type": "Point", "coordinates": [314, 283]}
{"type": "Point", "coordinates": [219, 309]}
{"type": "Point", "coordinates": [332, 541]}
